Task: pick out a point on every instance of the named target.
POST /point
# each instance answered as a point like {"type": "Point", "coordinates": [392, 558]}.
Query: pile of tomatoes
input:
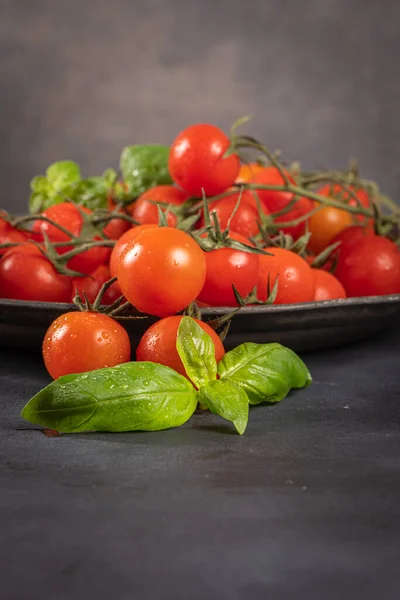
{"type": "Point", "coordinates": [260, 241]}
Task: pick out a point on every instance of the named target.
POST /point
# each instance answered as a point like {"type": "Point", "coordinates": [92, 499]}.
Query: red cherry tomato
{"type": "Point", "coordinates": [68, 216]}
{"type": "Point", "coordinates": [347, 237]}
{"type": "Point", "coordinates": [196, 161]}
{"type": "Point", "coordinates": [145, 211]}
{"type": "Point", "coordinates": [327, 287]}
{"type": "Point", "coordinates": [9, 235]}
{"type": "Point", "coordinates": [83, 341]}
{"type": "Point", "coordinates": [158, 343]}
{"type": "Point", "coordinates": [275, 201]}
{"type": "Point", "coordinates": [26, 274]}
{"type": "Point", "coordinates": [91, 286]}
{"type": "Point", "coordinates": [122, 243]}
{"type": "Point", "coordinates": [244, 220]}
{"type": "Point", "coordinates": [161, 271]}
{"type": "Point", "coordinates": [351, 236]}
{"type": "Point", "coordinates": [4, 225]}
{"type": "Point", "coordinates": [296, 281]}
{"type": "Point", "coordinates": [225, 267]}
{"type": "Point", "coordinates": [117, 227]}
{"type": "Point", "coordinates": [370, 268]}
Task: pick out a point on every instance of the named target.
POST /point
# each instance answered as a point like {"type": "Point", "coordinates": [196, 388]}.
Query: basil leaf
{"type": "Point", "coordinates": [197, 352]}
{"type": "Point", "coordinates": [143, 167]}
{"type": "Point", "coordinates": [93, 192]}
{"type": "Point", "coordinates": [133, 396]}
{"type": "Point", "coordinates": [62, 174]}
{"type": "Point", "coordinates": [55, 186]}
{"type": "Point", "coordinates": [266, 372]}
{"type": "Point", "coordinates": [228, 400]}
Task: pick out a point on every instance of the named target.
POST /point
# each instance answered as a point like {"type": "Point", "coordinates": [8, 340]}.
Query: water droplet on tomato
{"type": "Point", "coordinates": [105, 335]}
{"type": "Point", "coordinates": [99, 339]}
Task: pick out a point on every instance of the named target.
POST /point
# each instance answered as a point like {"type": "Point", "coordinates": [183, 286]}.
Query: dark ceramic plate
{"type": "Point", "coordinates": [302, 327]}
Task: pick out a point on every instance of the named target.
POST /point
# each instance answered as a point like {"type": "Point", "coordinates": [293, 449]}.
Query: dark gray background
{"type": "Point", "coordinates": [82, 79]}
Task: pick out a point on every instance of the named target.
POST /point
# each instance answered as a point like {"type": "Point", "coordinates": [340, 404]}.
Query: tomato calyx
{"type": "Point", "coordinates": [212, 237]}
{"type": "Point", "coordinates": [283, 240]}
{"type": "Point", "coordinates": [118, 307]}
{"type": "Point", "coordinates": [252, 298]}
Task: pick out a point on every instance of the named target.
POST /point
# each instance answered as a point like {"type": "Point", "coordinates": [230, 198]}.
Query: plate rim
{"type": "Point", "coordinates": [246, 310]}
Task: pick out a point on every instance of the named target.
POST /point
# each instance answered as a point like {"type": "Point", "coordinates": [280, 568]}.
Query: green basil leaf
{"type": "Point", "coordinates": [266, 372]}
{"type": "Point", "coordinates": [143, 167]}
{"type": "Point", "coordinates": [197, 352]}
{"type": "Point", "coordinates": [39, 184]}
{"type": "Point", "coordinates": [228, 400]}
{"type": "Point", "coordinates": [140, 396]}
{"type": "Point", "coordinates": [93, 192]}
{"type": "Point", "coordinates": [55, 186]}
{"type": "Point", "coordinates": [62, 174]}
{"type": "Point", "coordinates": [37, 200]}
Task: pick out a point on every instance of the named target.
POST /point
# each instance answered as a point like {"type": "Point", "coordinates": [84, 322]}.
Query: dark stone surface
{"type": "Point", "coordinates": [304, 505]}
{"type": "Point", "coordinates": [82, 79]}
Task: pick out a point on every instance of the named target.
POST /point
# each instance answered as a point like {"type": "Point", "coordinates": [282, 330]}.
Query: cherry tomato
{"type": "Point", "coordinates": [327, 287]}
{"type": "Point", "coordinates": [122, 243]}
{"type": "Point", "coordinates": [227, 266]}
{"type": "Point", "coordinates": [4, 225]}
{"type": "Point", "coordinates": [324, 225]}
{"type": "Point", "coordinates": [275, 201]}
{"type": "Point", "coordinates": [9, 235]}
{"type": "Point", "coordinates": [161, 271]}
{"type": "Point", "coordinates": [351, 236]}
{"type": "Point", "coordinates": [158, 343]}
{"type": "Point", "coordinates": [247, 172]}
{"type": "Point", "coordinates": [116, 227]}
{"type": "Point", "coordinates": [26, 274]}
{"type": "Point", "coordinates": [92, 284]}
{"type": "Point", "coordinates": [246, 217]}
{"type": "Point", "coordinates": [370, 268]}
{"type": "Point", "coordinates": [244, 220]}
{"type": "Point", "coordinates": [295, 277]}
{"type": "Point", "coordinates": [336, 192]}
{"type": "Point", "coordinates": [68, 216]}
{"type": "Point", "coordinates": [145, 211]}
{"type": "Point", "coordinates": [196, 161]}
{"type": "Point", "coordinates": [84, 341]}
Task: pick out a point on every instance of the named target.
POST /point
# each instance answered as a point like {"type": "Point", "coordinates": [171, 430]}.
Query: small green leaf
{"type": "Point", "coordinates": [37, 201]}
{"type": "Point", "coordinates": [197, 352]}
{"type": "Point", "coordinates": [54, 187]}
{"type": "Point", "coordinates": [266, 372]}
{"type": "Point", "coordinates": [62, 174]}
{"type": "Point", "coordinates": [39, 183]}
{"type": "Point", "coordinates": [143, 167]}
{"type": "Point", "coordinates": [228, 400]}
{"type": "Point", "coordinates": [141, 396]}
{"type": "Point", "coordinates": [93, 192]}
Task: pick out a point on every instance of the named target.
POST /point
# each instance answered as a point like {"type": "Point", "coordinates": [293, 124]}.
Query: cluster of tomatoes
{"type": "Point", "coordinates": [161, 268]}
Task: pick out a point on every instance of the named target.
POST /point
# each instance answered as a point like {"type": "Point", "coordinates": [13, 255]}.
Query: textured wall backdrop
{"type": "Point", "coordinates": [82, 78]}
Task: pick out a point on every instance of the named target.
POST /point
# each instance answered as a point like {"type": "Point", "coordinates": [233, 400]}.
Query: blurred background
{"type": "Point", "coordinates": [80, 79]}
